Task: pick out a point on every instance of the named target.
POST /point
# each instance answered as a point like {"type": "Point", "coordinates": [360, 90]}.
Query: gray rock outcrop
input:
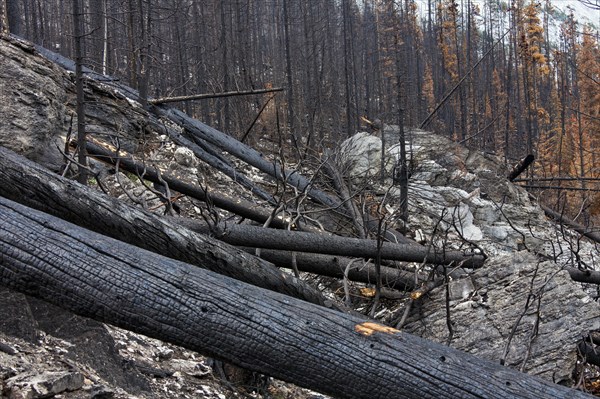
{"type": "Point", "coordinates": [521, 308]}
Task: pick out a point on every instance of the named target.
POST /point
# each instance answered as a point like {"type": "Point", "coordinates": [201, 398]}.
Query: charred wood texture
{"type": "Point", "coordinates": [334, 266]}
{"type": "Point", "coordinates": [252, 236]}
{"type": "Point", "coordinates": [238, 206]}
{"type": "Point", "coordinates": [563, 219]}
{"type": "Point", "coordinates": [520, 167]}
{"type": "Point", "coordinates": [34, 186]}
{"type": "Point", "coordinates": [110, 281]}
{"type": "Point", "coordinates": [247, 154]}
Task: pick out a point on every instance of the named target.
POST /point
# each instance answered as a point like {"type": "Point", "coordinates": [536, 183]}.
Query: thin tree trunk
{"type": "Point", "coordinates": [334, 266]}
{"type": "Point", "coordinates": [308, 345]}
{"type": "Point", "coordinates": [238, 206]}
{"type": "Point", "coordinates": [81, 135]}
{"type": "Point", "coordinates": [4, 27]}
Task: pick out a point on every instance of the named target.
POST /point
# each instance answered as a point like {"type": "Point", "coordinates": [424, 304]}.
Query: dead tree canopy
{"type": "Point", "coordinates": [309, 345]}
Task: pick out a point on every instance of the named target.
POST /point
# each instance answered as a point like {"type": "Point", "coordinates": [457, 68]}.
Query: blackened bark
{"type": "Point", "coordinates": [238, 206]}
{"type": "Point", "coordinates": [252, 236]}
{"type": "Point", "coordinates": [81, 134]}
{"type": "Point", "coordinates": [520, 167]}
{"type": "Point", "coordinates": [245, 235]}
{"type": "Point", "coordinates": [34, 186]}
{"type": "Point", "coordinates": [560, 218]}
{"type": "Point", "coordinates": [334, 266]}
{"type": "Point", "coordinates": [110, 281]}
{"type": "Point", "coordinates": [246, 154]}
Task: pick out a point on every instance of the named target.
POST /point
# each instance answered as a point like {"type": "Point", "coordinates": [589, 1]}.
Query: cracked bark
{"type": "Point", "coordinates": [30, 184]}
{"type": "Point", "coordinates": [110, 281]}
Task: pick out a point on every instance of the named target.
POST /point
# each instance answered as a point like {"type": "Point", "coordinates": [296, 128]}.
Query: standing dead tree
{"type": "Point", "coordinates": [342, 355]}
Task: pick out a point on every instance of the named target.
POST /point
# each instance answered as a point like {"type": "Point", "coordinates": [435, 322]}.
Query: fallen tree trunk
{"type": "Point", "coordinates": [253, 236]}
{"type": "Point", "coordinates": [110, 281]}
{"type": "Point", "coordinates": [204, 96]}
{"type": "Point", "coordinates": [520, 167]}
{"type": "Point", "coordinates": [563, 219]}
{"type": "Point", "coordinates": [248, 155]}
{"type": "Point", "coordinates": [584, 276]}
{"type": "Point", "coordinates": [245, 235]}
{"type": "Point", "coordinates": [221, 165]}
{"type": "Point", "coordinates": [30, 184]}
{"type": "Point", "coordinates": [334, 266]}
{"type": "Point", "coordinates": [239, 206]}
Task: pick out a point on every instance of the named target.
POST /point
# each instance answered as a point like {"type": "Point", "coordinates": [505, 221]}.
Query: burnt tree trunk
{"type": "Point", "coordinates": [253, 236]}
{"type": "Point", "coordinates": [30, 184]}
{"type": "Point", "coordinates": [239, 206]}
{"type": "Point", "coordinates": [110, 281]}
{"type": "Point", "coordinates": [247, 154]}
{"type": "Point", "coordinates": [334, 266]}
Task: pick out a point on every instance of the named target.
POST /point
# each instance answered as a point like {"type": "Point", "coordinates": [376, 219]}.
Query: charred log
{"type": "Point", "coordinates": [252, 236]}
{"type": "Point", "coordinates": [333, 266]}
{"type": "Point", "coordinates": [520, 167]}
{"type": "Point", "coordinates": [239, 206]}
{"type": "Point", "coordinates": [110, 281]}
{"type": "Point", "coordinates": [560, 218]}
{"type": "Point", "coordinates": [247, 154]}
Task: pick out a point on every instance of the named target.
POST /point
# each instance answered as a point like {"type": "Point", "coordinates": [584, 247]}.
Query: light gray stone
{"type": "Point", "coordinates": [185, 157]}
{"type": "Point", "coordinates": [31, 385]}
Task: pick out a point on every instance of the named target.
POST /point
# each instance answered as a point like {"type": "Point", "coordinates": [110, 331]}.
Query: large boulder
{"type": "Point", "coordinates": [38, 102]}
{"type": "Point", "coordinates": [360, 159]}
{"type": "Point", "coordinates": [521, 307]}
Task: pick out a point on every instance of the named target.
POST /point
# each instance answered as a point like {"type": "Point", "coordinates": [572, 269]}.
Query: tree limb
{"type": "Point", "coordinates": [163, 100]}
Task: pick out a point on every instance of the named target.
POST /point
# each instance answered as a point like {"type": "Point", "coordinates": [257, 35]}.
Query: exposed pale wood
{"type": "Point", "coordinates": [520, 167]}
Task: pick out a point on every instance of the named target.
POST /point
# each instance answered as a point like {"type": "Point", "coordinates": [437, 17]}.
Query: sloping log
{"type": "Point", "coordinates": [334, 266]}
{"type": "Point", "coordinates": [113, 282]}
{"type": "Point", "coordinates": [247, 154]}
{"type": "Point", "coordinates": [520, 167]}
{"type": "Point", "coordinates": [240, 207]}
{"type": "Point", "coordinates": [344, 193]}
{"type": "Point", "coordinates": [252, 236]}
{"type": "Point", "coordinates": [245, 235]}
{"type": "Point", "coordinates": [221, 165]}
{"type": "Point", "coordinates": [584, 276]}
{"type": "Point", "coordinates": [28, 183]}
{"type": "Point", "coordinates": [204, 96]}
{"type": "Point", "coordinates": [563, 219]}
